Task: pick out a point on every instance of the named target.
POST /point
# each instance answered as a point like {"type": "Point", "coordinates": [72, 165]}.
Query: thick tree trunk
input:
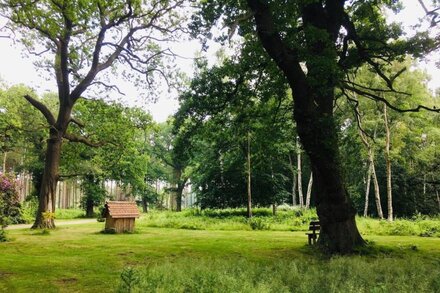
{"type": "Point", "coordinates": [180, 182]}
{"type": "Point", "coordinates": [299, 176]}
{"type": "Point", "coordinates": [367, 190]}
{"type": "Point", "coordinates": [144, 205]}
{"type": "Point", "coordinates": [179, 194]}
{"type": "Point", "coordinates": [313, 95]}
{"type": "Point", "coordinates": [47, 195]}
{"type": "Point", "coordinates": [335, 210]}
{"type": "Point", "coordinates": [309, 190]}
{"type": "Point", "coordinates": [249, 187]}
{"type": "Point", "coordinates": [292, 169]}
{"type": "Point", "coordinates": [388, 164]}
{"type": "Point", "coordinates": [89, 208]}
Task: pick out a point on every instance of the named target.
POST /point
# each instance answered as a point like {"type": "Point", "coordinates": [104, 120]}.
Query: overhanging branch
{"type": "Point", "coordinates": [375, 97]}
{"type": "Point", "coordinates": [42, 108]}
{"type": "Point", "coordinates": [77, 122]}
{"type": "Point", "coordinates": [83, 140]}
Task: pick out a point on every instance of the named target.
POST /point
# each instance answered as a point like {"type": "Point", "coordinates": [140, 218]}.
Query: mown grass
{"type": "Point", "coordinates": [80, 259]}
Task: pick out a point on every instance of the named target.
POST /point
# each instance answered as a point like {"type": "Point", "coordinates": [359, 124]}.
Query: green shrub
{"type": "Point", "coordinates": [429, 228]}
{"type": "Point", "coordinates": [400, 228]}
{"type": "Point", "coordinates": [29, 209]}
{"type": "Point", "coordinates": [129, 280]}
{"type": "Point", "coordinates": [9, 201]}
{"type": "Point", "coordinates": [3, 236]}
{"type": "Point", "coordinates": [259, 224]}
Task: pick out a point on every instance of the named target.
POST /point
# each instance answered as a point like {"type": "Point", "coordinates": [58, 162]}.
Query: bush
{"type": "Point", "coordinates": [400, 228]}
{"type": "Point", "coordinates": [9, 201]}
{"type": "Point", "coordinates": [3, 236]}
{"type": "Point", "coordinates": [29, 209]}
{"type": "Point", "coordinates": [259, 224]}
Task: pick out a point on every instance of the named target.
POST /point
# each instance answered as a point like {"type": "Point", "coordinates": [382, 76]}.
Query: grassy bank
{"type": "Point", "coordinates": [284, 220]}
{"type": "Point", "coordinates": [80, 259]}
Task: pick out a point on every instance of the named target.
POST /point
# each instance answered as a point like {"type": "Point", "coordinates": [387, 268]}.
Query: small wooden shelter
{"type": "Point", "coordinates": [120, 216]}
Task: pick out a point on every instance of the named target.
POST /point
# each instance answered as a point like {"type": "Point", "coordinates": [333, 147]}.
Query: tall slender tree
{"type": "Point", "coordinates": [388, 164]}
{"type": "Point", "coordinates": [309, 190]}
{"type": "Point", "coordinates": [371, 166]}
{"type": "Point", "coordinates": [299, 173]}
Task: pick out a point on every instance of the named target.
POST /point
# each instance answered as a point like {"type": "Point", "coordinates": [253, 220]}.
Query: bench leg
{"type": "Point", "coordinates": [310, 239]}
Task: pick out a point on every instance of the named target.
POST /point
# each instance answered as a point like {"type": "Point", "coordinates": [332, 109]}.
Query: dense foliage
{"type": "Point", "coordinates": [233, 137]}
{"type": "Point", "coordinates": [9, 203]}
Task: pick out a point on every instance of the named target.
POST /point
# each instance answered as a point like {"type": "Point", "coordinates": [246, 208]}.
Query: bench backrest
{"type": "Point", "coordinates": [314, 226]}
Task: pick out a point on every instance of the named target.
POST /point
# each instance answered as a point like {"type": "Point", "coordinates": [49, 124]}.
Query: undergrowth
{"type": "Point", "coordinates": [284, 220]}
{"type": "Point", "coordinates": [338, 274]}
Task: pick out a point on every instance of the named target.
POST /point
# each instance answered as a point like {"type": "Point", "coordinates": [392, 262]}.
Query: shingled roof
{"type": "Point", "coordinates": [122, 209]}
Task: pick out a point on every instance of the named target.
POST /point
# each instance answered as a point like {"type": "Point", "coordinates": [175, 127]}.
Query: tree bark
{"type": "Point", "coordinates": [179, 194]}
{"type": "Point", "coordinates": [438, 199]}
{"type": "Point", "coordinates": [47, 195]}
{"type": "Point", "coordinates": [388, 164]}
{"type": "Point", "coordinates": [180, 186]}
{"type": "Point", "coordinates": [144, 205]}
{"type": "Point", "coordinates": [309, 190]}
{"type": "Point", "coordinates": [313, 96]}
{"type": "Point", "coordinates": [367, 190]}
{"type": "Point", "coordinates": [424, 185]}
{"type": "Point", "coordinates": [89, 208]}
{"type": "Point", "coordinates": [274, 209]}
{"type": "Point", "coordinates": [299, 176]}
{"type": "Point", "coordinates": [249, 187]}
{"type": "Point", "coordinates": [335, 210]}
{"type": "Point", "coordinates": [292, 169]}
{"type": "Point", "coordinates": [5, 157]}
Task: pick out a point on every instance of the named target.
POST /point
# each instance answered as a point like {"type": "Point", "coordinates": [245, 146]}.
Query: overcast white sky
{"type": "Point", "coordinates": [14, 69]}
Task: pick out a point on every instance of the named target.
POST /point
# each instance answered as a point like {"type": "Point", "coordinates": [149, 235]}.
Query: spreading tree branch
{"type": "Point", "coordinates": [285, 57]}
{"type": "Point", "coordinates": [77, 122]}
{"type": "Point", "coordinates": [42, 108]}
{"type": "Point", "coordinates": [375, 97]}
{"type": "Point", "coordinates": [363, 133]}
{"type": "Point", "coordinates": [75, 138]}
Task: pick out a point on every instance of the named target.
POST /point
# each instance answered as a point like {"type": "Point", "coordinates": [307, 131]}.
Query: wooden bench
{"type": "Point", "coordinates": [315, 227]}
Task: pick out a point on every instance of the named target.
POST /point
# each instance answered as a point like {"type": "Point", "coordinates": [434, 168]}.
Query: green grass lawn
{"type": "Point", "coordinates": [80, 259]}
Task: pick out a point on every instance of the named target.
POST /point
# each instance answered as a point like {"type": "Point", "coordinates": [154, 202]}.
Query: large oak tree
{"type": "Point", "coordinates": [80, 42]}
{"type": "Point", "coordinates": [315, 44]}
